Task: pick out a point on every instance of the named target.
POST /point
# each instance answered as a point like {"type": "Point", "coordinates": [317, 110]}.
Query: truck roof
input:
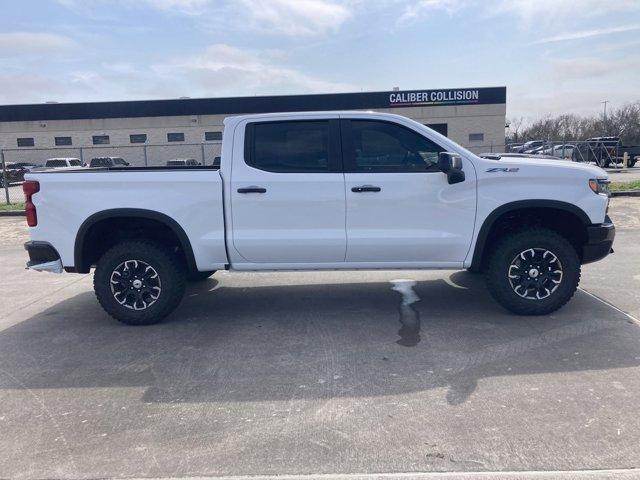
{"type": "Point", "coordinates": [319, 114]}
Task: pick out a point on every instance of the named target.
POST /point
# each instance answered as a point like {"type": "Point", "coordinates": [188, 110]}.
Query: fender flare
{"type": "Point", "coordinates": [490, 220]}
{"type": "Point", "coordinates": [80, 265]}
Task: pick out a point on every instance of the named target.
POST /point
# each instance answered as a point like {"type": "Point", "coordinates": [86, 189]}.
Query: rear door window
{"type": "Point", "coordinates": [292, 146]}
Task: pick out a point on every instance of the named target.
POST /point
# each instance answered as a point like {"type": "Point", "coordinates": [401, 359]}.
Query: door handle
{"type": "Point", "coordinates": [252, 190]}
{"type": "Point", "coordinates": [365, 188]}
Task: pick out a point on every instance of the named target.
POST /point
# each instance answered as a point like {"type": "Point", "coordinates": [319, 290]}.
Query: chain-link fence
{"type": "Point", "coordinates": [16, 162]}
{"type": "Point", "coordinates": [606, 152]}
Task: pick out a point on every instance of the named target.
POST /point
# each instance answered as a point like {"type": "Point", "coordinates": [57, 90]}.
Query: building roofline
{"type": "Point", "coordinates": [247, 105]}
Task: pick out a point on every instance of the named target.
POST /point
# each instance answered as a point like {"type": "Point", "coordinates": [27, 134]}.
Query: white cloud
{"type": "Point", "coordinates": [529, 12]}
{"type": "Point", "coordinates": [295, 17]}
{"type": "Point", "coordinates": [22, 88]}
{"type": "Point", "coordinates": [553, 11]}
{"type": "Point", "coordinates": [26, 43]}
{"type": "Point", "coordinates": [588, 33]}
{"type": "Point", "coordinates": [421, 8]}
{"type": "Point", "coordinates": [289, 17]}
{"type": "Point", "coordinates": [588, 68]}
{"type": "Point", "coordinates": [186, 7]}
{"type": "Point", "coordinates": [226, 70]}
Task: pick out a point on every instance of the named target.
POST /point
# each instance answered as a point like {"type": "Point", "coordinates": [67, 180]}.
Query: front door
{"type": "Point", "coordinates": [287, 194]}
{"type": "Point", "coordinates": [400, 208]}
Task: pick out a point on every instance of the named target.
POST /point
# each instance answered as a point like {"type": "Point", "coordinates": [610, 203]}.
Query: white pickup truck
{"type": "Point", "coordinates": [322, 191]}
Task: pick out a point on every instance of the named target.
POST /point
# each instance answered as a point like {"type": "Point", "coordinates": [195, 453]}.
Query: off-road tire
{"type": "Point", "coordinates": [199, 276]}
{"type": "Point", "coordinates": [504, 252]}
{"type": "Point", "coordinates": [168, 268]}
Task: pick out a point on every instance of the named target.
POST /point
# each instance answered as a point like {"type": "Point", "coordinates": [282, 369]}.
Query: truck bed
{"type": "Point", "coordinates": [190, 196]}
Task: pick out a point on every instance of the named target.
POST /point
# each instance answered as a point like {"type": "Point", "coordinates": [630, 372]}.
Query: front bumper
{"type": "Point", "coordinates": [599, 241]}
{"type": "Point", "coordinates": [43, 257]}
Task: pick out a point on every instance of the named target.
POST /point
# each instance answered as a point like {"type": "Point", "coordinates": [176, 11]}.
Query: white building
{"type": "Point", "coordinates": [150, 132]}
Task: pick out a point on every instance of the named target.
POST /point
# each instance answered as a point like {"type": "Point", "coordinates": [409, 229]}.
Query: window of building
{"type": "Point", "coordinates": [376, 146]}
{"type": "Point", "coordinates": [441, 128]}
{"type": "Point", "coordinates": [101, 139]}
{"type": "Point", "coordinates": [212, 136]}
{"type": "Point", "coordinates": [289, 147]}
{"type": "Point", "coordinates": [175, 137]}
{"type": "Point", "coordinates": [26, 142]}
{"type": "Point", "coordinates": [62, 141]}
{"type": "Point", "coordinates": [138, 138]}
{"type": "Point", "coordinates": [476, 137]}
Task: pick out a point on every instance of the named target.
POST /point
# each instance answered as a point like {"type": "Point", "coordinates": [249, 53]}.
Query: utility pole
{"type": "Point", "coordinates": [605, 109]}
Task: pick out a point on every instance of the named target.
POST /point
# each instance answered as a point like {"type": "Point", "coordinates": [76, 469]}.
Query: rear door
{"type": "Point", "coordinates": [400, 207]}
{"type": "Point", "coordinates": [287, 193]}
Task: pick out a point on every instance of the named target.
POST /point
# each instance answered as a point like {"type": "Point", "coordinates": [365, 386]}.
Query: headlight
{"type": "Point", "coordinates": [600, 186]}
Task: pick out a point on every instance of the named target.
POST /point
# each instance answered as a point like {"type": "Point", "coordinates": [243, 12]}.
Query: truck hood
{"type": "Point", "coordinates": [565, 165]}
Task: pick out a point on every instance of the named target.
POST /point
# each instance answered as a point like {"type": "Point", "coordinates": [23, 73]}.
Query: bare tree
{"type": "Point", "coordinates": [623, 122]}
{"type": "Point", "coordinates": [515, 125]}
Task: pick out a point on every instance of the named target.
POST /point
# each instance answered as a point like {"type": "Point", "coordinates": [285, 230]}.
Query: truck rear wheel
{"type": "Point", "coordinates": [139, 282]}
{"type": "Point", "coordinates": [533, 272]}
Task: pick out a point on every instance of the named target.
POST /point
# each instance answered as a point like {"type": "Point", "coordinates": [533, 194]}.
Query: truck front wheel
{"type": "Point", "coordinates": [139, 282]}
{"type": "Point", "coordinates": [533, 272]}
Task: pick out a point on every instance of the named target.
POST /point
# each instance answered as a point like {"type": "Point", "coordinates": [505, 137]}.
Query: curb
{"type": "Point", "coordinates": [12, 213]}
{"type": "Point", "coordinates": [626, 193]}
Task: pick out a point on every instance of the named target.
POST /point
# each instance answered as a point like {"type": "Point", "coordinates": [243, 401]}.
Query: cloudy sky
{"type": "Point", "coordinates": [552, 56]}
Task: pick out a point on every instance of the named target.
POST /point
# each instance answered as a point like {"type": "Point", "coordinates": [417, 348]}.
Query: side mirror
{"type": "Point", "coordinates": [451, 164]}
{"type": "Point", "coordinates": [448, 161]}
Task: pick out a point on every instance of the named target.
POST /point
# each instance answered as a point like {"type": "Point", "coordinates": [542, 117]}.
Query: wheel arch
{"type": "Point", "coordinates": [82, 263]}
{"type": "Point", "coordinates": [543, 207]}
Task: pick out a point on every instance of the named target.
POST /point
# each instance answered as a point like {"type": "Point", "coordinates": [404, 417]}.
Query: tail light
{"type": "Point", "coordinates": [29, 188]}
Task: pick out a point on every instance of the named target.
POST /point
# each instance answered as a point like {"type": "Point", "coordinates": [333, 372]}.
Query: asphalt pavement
{"type": "Point", "coordinates": [322, 373]}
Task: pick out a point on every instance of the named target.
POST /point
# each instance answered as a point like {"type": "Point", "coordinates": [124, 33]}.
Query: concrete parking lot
{"type": "Point", "coordinates": [322, 373]}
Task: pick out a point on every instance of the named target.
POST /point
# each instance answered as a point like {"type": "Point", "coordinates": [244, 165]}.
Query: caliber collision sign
{"type": "Point", "coordinates": [435, 97]}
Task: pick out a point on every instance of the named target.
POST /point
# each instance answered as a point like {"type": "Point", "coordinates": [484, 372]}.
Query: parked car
{"type": "Point", "coordinates": [63, 163]}
{"type": "Point", "coordinates": [108, 162]}
{"type": "Point", "coordinates": [12, 173]}
{"type": "Point", "coordinates": [27, 165]}
{"type": "Point", "coordinates": [530, 145]}
{"type": "Point", "coordinates": [561, 151]}
{"type": "Point", "coordinates": [498, 156]}
{"type": "Point", "coordinates": [183, 162]}
{"type": "Point", "coordinates": [323, 191]}
{"type": "Point", "coordinates": [514, 147]}
{"type": "Point", "coordinates": [536, 150]}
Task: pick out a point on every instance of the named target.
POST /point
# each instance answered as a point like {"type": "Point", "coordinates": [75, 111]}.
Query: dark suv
{"type": "Point", "coordinates": [108, 162]}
